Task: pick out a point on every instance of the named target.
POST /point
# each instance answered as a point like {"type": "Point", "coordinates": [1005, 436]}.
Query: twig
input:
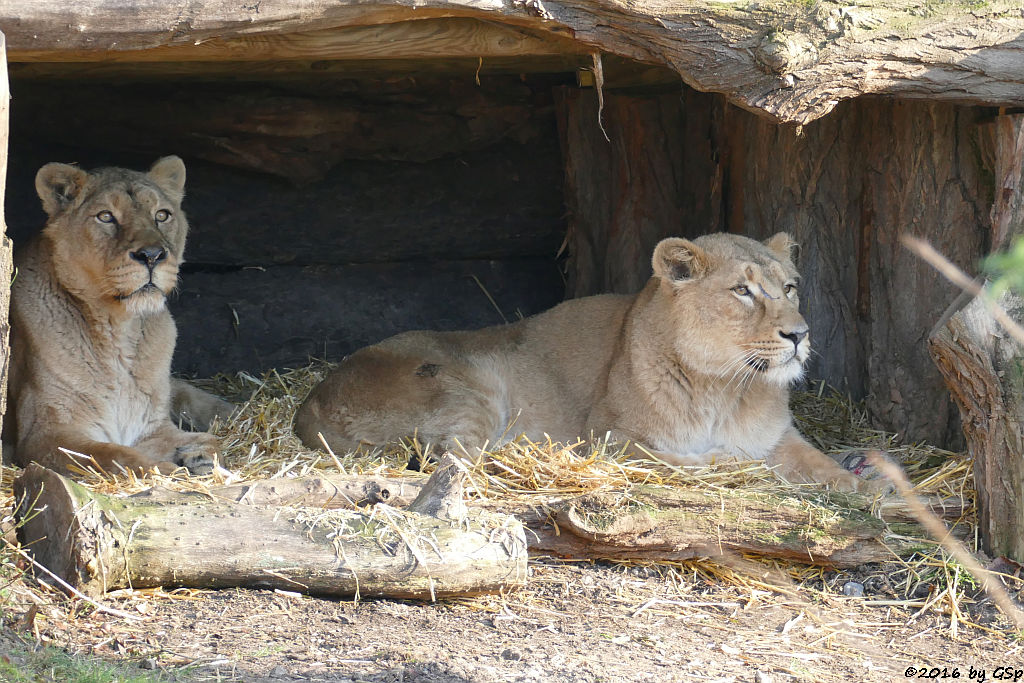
{"type": "Point", "coordinates": [599, 86]}
{"type": "Point", "coordinates": [75, 591]}
{"type": "Point", "coordinates": [938, 530]}
{"type": "Point", "coordinates": [959, 278]}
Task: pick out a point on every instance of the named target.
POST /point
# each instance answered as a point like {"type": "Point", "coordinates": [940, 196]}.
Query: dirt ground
{"type": "Point", "coordinates": [574, 622]}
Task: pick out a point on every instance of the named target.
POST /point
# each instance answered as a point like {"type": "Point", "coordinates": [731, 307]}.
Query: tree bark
{"type": "Point", "coordinates": [6, 253]}
{"type": "Point", "coordinates": [98, 543]}
{"type": "Point", "coordinates": [776, 57]}
{"type": "Point", "coordinates": [656, 174]}
{"type": "Point", "coordinates": [983, 365]}
{"type": "Point", "coordinates": [656, 523]}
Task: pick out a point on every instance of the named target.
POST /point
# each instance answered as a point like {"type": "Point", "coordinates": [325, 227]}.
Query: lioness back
{"type": "Point", "coordinates": [91, 337]}
{"type": "Point", "coordinates": [694, 367]}
{"type": "Point", "coordinates": [445, 387]}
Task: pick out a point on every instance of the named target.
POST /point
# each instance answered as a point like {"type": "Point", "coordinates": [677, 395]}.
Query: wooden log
{"type": "Point", "coordinates": [956, 51]}
{"type": "Point", "coordinates": [324, 491]}
{"type": "Point", "coordinates": [98, 543]}
{"type": "Point", "coordinates": [982, 365]}
{"type": "Point", "coordinates": [6, 250]}
{"type": "Point", "coordinates": [422, 39]}
{"type": "Point", "coordinates": [653, 523]}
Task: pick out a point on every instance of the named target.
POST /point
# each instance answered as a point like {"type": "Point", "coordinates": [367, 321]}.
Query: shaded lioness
{"type": "Point", "coordinates": [696, 366]}
{"type": "Point", "coordinates": [91, 337]}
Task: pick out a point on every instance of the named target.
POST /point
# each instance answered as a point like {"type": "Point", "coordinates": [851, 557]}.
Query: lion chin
{"type": "Point", "coordinates": [696, 366]}
{"type": "Point", "coordinates": [145, 300]}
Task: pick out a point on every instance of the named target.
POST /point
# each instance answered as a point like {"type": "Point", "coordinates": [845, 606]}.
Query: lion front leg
{"type": "Point", "coordinates": [797, 461]}
{"type": "Point", "coordinates": [66, 448]}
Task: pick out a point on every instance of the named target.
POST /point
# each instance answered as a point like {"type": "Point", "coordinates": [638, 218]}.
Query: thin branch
{"type": "Point", "coordinates": [938, 530]}
{"type": "Point", "coordinates": [959, 278]}
{"type": "Point", "coordinates": [75, 591]}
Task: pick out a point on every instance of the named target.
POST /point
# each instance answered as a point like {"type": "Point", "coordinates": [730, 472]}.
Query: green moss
{"type": "Point", "coordinates": [24, 664]}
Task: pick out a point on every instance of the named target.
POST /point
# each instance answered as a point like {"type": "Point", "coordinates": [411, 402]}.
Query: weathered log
{"type": "Point", "coordinates": [6, 253]}
{"type": "Point", "coordinates": [98, 543]}
{"type": "Point", "coordinates": [326, 491]}
{"type": "Point", "coordinates": [653, 523]}
{"type": "Point", "coordinates": [982, 365]}
{"type": "Point", "coordinates": [779, 58]}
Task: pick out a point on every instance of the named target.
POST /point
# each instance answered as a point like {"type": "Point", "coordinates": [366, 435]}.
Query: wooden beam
{"type": "Point", "coordinates": [295, 70]}
{"type": "Point", "coordinates": [421, 39]}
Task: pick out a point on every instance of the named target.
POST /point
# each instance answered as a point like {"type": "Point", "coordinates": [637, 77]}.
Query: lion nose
{"type": "Point", "coordinates": [796, 335]}
{"type": "Point", "coordinates": [149, 256]}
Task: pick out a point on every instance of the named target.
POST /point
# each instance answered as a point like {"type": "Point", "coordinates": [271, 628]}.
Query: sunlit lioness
{"type": "Point", "coordinates": [696, 366]}
{"type": "Point", "coordinates": [91, 337]}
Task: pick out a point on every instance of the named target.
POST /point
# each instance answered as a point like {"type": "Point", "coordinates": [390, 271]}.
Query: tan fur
{"type": "Point", "coordinates": [91, 337]}
{"type": "Point", "coordinates": [694, 367]}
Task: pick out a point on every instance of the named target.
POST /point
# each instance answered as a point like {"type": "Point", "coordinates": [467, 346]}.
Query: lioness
{"type": "Point", "coordinates": [91, 337]}
{"type": "Point", "coordinates": [696, 366]}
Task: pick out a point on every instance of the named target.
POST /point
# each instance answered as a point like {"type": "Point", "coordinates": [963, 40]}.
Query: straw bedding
{"type": "Point", "coordinates": [258, 444]}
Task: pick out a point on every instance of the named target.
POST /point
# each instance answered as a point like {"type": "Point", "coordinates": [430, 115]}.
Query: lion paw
{"type": "Point", "coordinates": [196, 458]}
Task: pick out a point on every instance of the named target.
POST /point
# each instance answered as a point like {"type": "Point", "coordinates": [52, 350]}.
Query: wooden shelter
{"type": "Point", "coordinates": [359, 168]}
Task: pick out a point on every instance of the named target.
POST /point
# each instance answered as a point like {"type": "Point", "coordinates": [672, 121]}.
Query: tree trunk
{"type": "Point", "coordinates": [98, 543]}
{"type": "Point", "coordinates": [6, 254]}
{"type": "Point", "coordinates": [655, 175]}
{"type": "Point", "coordinates": [783, 59]}
{"type": "Point", "coordinates": [984, 366]}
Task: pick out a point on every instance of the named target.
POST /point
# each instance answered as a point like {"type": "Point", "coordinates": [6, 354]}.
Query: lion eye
{"type": "Point", "coordinates": [105, 217]}
{"type": "Point", "coordinates": [741, 290]}
{"type": "Point", "coordinates": [162, 215]}
{"type": "Point", "coordinates": [789, 290]}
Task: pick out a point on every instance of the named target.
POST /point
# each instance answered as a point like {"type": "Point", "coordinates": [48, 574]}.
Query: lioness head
{"type": "Point", "coordinates": [734, 305]}
{"type": "Point", "coordinates": [117, 235]}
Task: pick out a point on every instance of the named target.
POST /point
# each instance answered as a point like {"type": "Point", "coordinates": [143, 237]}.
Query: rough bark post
{"type": "Point", "coordinates": [98, 543]}
{"type": "Point", "coordinates": [6, 254]}
{"type": "Point", "coordinates": [983, 365]}
{"type": "Point", "coordinates": [625, 193]}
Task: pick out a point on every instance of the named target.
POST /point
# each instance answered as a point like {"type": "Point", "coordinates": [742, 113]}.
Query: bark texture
{"type": "Point", "coordinates": [784, 59]}
{"type": "Point", "coordinates": [98, 543]}
{"type": "Point", "coordinates": [646, 522]}
{"type": "Point", "coordinates": [983, 365]}
{"type": "Point", "coordinates": [6, 252]}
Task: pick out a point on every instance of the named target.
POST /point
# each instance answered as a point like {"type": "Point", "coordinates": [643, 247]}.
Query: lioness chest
{"type": "Point", "coordinates": [135, 387]}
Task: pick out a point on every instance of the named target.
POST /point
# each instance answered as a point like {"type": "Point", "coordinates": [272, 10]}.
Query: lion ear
{"type": "Point", "coordinates": [679, 260]}
{"type": "Point", "coordinates": [783, 246]}
{"type": "Point", "coordinates": [169, 174]}
{"type": "Point", "coordinates": [58, 185]}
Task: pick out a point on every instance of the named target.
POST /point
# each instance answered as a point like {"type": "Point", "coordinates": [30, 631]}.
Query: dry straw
{"type": "Point", "coordinates": [258, 444]}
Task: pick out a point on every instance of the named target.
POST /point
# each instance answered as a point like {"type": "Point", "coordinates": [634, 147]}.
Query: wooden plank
{"type": "Point", "coordinates": [421, 39]}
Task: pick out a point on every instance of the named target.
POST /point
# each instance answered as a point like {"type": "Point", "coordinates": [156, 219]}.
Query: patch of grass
{"type": "Point", "coordinates": [24, 665]}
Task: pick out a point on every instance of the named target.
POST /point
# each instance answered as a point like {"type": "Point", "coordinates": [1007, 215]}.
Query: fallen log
{"type": "Point", "coordinates": [652, 523]}
{"type": "Point", "coordinates": [98, 543]}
